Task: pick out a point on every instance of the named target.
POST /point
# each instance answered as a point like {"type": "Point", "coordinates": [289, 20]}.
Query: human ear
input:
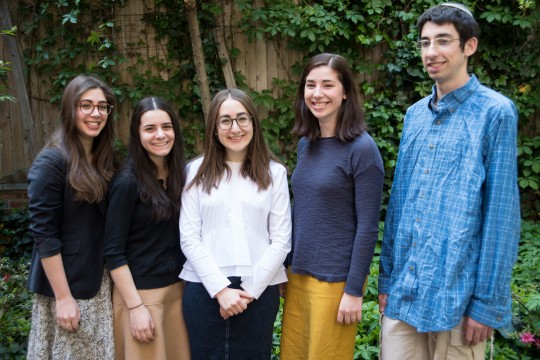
{"type": "Point", "coordinates": [470, 46]}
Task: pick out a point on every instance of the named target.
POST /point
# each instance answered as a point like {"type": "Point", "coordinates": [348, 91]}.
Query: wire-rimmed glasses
{"type": "Point", "coordinates": [438, 43]}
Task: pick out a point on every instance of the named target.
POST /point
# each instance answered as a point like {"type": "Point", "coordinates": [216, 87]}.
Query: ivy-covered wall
{"type": "Point", "coordinates": [67, 37]}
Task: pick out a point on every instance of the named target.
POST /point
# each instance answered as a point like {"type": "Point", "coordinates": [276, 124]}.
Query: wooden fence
{"type": "Point", "coordinates": [26, 125]}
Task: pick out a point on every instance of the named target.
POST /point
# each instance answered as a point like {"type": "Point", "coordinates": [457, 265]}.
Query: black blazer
{"type": "Point", "coordinates": [59, 224]}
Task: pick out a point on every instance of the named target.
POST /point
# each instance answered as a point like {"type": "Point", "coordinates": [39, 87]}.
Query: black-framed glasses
{"type": "Point", "coordinates": [226, 123]}
{"type": "Point", "coordinates": [438, 43]}
{"type": "Point", "coordinates": [87, 108]}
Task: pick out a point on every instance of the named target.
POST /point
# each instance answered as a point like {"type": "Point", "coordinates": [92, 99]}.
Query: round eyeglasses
{"type": "Point", "coordinates": [87, 108]}
{"type": "Point", "coordinates": [226, 123]}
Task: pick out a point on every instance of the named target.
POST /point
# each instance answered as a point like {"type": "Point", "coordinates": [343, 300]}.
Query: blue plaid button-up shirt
{"type": "Point", "coordinates": [452, 225]}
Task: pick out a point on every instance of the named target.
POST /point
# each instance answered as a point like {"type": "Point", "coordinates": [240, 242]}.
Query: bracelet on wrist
{"type": "Point", "coordinates": [132, 308]}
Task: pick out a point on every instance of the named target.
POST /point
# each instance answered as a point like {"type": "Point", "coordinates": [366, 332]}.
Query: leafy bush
{"type": "Point", "coordinates": [15, 300]}
{"type": "Point", "coordinates": [529, 178]}
{"type": "Point", "coordinates": [523, 336]}
{"type": "Point", "coordinates": [15, 308]}
{"type": "Point", "coordinates": [15, 239]}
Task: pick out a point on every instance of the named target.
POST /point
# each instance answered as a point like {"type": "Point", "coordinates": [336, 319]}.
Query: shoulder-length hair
{"type": "Point", "coordinates": [165, 202]}
{"type": "Point", "coordinates": [350, 120]}
{"type": "Point", "coordinates": [88, 179]}
{"type": "Point", "coordinates": [256, 165]}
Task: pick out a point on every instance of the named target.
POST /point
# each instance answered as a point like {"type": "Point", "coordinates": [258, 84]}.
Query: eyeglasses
{"type": "Point", "coordinates": [438, 43]}
{"type": "Point", "coordinates": [226, 123]}
{"type": "Point", "coordinates": [87, 108]}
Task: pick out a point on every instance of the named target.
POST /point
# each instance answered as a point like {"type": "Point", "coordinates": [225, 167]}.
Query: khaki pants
{"type": "Point", "coordinates": [401, 341]}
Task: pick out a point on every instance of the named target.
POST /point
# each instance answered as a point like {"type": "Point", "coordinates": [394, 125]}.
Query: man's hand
{"type": "Point", "coordinates": [474, 332]}
{"type": "Point", "coordinates": [383, 299]}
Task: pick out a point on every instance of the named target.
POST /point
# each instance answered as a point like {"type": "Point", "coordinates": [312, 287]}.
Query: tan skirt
{"type": "Point", "coordinates": [310, 328]}
{"type": "Point", "coordinates": [170, 335]}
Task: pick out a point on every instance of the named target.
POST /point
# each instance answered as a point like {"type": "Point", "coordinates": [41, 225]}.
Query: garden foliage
{"type": "Point", "coordinates": [80, 36]}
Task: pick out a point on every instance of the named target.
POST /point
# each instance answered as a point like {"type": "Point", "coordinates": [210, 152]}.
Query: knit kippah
{"type": "Point", "coordinates": [459, 7]}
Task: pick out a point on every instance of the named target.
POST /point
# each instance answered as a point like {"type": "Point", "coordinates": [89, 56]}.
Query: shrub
{"type": "Point", "coordinates": [15, 308]}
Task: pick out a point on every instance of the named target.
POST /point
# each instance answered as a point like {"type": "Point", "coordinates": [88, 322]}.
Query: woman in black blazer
{"type": "Point", "coordinates": [67, 185]}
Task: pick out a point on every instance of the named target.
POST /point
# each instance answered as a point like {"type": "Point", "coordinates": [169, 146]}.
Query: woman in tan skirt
{"type": "Point", "coordinates": [142, 246]}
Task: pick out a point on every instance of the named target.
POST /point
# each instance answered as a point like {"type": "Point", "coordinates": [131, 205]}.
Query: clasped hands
{"type": "Point", "coordinates": [233, 302]}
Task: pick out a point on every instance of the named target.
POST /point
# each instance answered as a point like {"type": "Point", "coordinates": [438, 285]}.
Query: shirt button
{"type": "Point", "coordinates": [438, 122]}
{"type": "Point", "coordinates": [431, 146]}
{"type": "Point", "coordinates": [411, 268]}
{"type": "Point", "coordinates": [414, 244]}
{"type": "Point", "coordinates": [417, 220]}
{"type": "Point", "coordinates": [426, 171]}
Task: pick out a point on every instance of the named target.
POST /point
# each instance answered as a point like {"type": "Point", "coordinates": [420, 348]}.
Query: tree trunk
{"type": "Point", "coordinates": [223, 53]}
{"type": "Point", "coordinates": [198, 55]}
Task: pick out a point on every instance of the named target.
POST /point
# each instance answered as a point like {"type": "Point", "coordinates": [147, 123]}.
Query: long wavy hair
{"type": "Point", "coordinates": [165, 202]}
{"type": "Point", "coordinates": [256, 165]}
{"type": "Point", "coordinates": [88, 179]}
{"type": "Point", "coordinates": [350, 120]}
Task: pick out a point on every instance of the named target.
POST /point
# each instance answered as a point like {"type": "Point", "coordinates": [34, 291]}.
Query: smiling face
{"type": "Point", "coordinates": [447, 64]}
{"type": "Point", "coordinates": [157, 134]}
{"type": "Point", "coordinates": [89, 126]}
{"type": "Point", "coordinates": [324, 94]}
{"type": "Point", "coordinates": [236, 139]}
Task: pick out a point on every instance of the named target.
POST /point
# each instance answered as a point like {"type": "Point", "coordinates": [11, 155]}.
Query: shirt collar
{"type": "Point", "coordinates": [453, 99]}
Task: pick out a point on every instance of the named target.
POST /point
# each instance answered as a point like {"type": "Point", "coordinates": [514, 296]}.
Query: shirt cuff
{"type": "Point", "coordinates": [489, 316]}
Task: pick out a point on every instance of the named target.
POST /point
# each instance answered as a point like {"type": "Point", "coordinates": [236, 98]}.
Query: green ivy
{"type": "Point", "coordinates": [15, 307]}
{"type": "Point", "coordinates": [15, 239]}
{"type": "Point", "coordinates": [506, 59]}
{"type": "Point", "coordinates": [4, 68]}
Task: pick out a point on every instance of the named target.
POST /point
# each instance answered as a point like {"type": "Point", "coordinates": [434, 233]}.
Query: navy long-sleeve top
{"type": "Point", "coordinates": [337, 188]}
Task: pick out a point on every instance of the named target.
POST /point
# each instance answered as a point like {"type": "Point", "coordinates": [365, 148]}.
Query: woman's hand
{"type": "Point", "coordinates": [232, 301]}
{"type": "Point", "coordinates": [142, 324]}
{"type": "Point", "coordinates": [68, 313]}
{"type": "Point", "coordinates": [350, 309]}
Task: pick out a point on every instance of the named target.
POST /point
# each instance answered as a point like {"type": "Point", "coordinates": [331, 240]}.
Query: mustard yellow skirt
{"type": "Point", "coordinates": [170, 336]}
{"type": "Point", "coordinates": [310, 329]}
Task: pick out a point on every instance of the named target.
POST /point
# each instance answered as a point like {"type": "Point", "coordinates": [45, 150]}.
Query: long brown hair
{"type": "Point", "coordinates": [165, 203]}
{"type": "Point", "coordinates": [89, 180]}
{"type": "Point", "coordinates": [350, 120]}
{"type": "Point", "coordinates": [256, 165]}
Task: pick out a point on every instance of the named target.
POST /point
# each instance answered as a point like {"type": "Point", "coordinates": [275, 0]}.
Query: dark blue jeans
{"type": "Point", "coordinates": [244, 336]}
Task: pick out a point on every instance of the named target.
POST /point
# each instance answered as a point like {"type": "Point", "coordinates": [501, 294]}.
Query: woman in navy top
{"type": "Point", "coordinates": [337, 187]}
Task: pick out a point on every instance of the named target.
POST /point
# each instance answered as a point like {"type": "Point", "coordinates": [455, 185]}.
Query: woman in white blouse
{"type": "Point", "coordinates": [235, 231]}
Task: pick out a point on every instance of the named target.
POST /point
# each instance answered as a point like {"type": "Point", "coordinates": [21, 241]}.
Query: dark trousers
{"type": "Point", "coordinates": [244, 336]}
